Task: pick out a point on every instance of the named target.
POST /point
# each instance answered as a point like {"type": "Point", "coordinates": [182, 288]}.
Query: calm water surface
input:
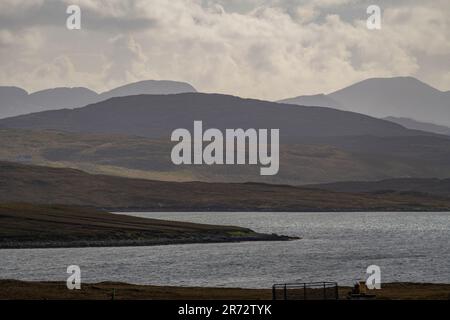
{"type": "Point", "coordinates": [335, 247]}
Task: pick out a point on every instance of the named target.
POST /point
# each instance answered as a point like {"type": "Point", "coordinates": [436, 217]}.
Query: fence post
{"type": "Point", "coordinates": [337, 291]}
{"type": "Point", "coordinates": [285, 292]}
{"type": "Point", "coordinates": [274, 294]}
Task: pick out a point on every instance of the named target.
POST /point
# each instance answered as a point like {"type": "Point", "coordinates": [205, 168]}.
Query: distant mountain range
{"type": "Point", "coordinates": [15, 101]}
{"type": "Point", "coordinates": [383, 97]}
{"type": "Point", "coordinates": [399, 97]}
{"type": "Point", "coordinates": [130, 136]}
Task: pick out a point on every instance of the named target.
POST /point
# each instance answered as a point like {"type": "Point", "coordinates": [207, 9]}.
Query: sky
{"type": "Point", "coordinates": [266, 49]}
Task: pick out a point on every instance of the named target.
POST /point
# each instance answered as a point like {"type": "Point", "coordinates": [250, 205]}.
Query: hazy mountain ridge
{"type": "Point", "coordinates": [396, 97]}
{"type": "Point", "coordinates": [418, 125]}
{"type": "Point", "coordinates": [66, 97]}
{"type": "Point", "coordinates": [319, 100]}
{"type": "Point", "coordinates": [15, 101]}
{"type": "Point", "coordinates": [12, 98]}
{"type": "Point", "coordinates": [148, 87]}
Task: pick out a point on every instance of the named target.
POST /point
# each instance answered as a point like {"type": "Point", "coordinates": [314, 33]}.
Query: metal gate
{"type": "Point", "coordinates": [306, 291]}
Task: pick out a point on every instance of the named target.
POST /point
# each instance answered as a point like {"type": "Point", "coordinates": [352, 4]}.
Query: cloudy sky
{"type": "Point", "coordinates": [268, 49]}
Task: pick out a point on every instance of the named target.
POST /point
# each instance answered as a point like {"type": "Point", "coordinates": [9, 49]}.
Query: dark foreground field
{"type": "Point", "coordinates": [44, 185]}
{"type": "Point", "coordinates": [12, 289]}
{"type": "Point", "coordinates": [39, 226]}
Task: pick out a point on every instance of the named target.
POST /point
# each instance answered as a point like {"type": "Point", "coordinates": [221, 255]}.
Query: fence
{"type": "Point", "coordinates": [305, 291]}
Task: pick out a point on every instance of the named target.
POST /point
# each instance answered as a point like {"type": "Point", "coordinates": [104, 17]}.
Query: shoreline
{"type": "Point", "coordinates": [271, 210]}
{"type": "Point", "coordinates": [52, 290]}
{"type": "Point", "coordinates": [257, 237]}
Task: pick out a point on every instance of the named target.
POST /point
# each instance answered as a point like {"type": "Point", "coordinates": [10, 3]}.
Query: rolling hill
{"type": "Point", "coordinates": [156, 116]}
{"type": "Point", "coordinates": [437, 187]}
{"type": "Point", "coordinates": [316, 160]}
{"type": "Point", "coordinates": [42, 186]}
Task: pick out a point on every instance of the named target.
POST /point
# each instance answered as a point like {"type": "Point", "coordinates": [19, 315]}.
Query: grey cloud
{"type": "Point", "coordinates": [53, 13]}
{"type": "Point", "coordinates": [253, 48]}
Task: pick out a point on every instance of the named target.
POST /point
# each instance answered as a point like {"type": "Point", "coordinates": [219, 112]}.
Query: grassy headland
{"type": "Point", "coordinates": [31, 226]}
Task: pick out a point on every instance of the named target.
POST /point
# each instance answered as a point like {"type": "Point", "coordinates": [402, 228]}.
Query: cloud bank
{"type": "Point", "coordinates": [252, 48]}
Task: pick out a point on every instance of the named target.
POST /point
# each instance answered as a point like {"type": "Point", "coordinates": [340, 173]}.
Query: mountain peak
{"type": "Point", "coordinates": [67, 89]}
{"type": "Point", "coordinates": [149, 87]}
{"type": "Point", "coordinates": [406, 83]}
{"type": "Point", "coordinates": [400, 97]}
